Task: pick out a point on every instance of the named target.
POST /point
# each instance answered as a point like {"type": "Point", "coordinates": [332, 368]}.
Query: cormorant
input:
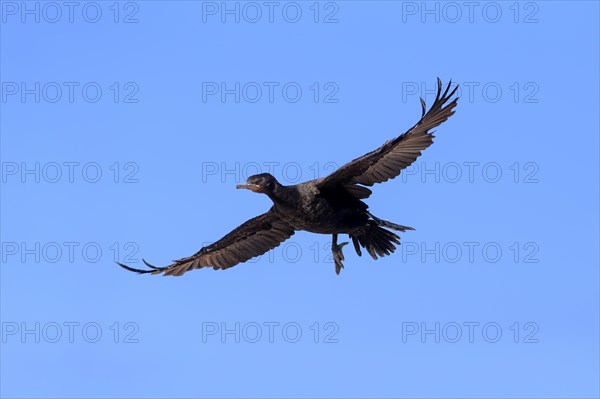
{"type": "Point", "coordinates": [330, 205]}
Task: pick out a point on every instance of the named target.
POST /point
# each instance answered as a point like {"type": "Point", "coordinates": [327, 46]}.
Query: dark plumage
{"type": "Point", "coordinates": [331, 205]}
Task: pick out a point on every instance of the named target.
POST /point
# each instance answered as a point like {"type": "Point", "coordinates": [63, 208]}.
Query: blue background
{"type": "Point", "coordinates": [374, 57]}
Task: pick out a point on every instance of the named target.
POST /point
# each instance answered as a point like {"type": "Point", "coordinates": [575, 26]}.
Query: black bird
{"type": "Point", "coordinates": [331, 205]}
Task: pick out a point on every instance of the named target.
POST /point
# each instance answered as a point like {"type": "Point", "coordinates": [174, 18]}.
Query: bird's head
{"type": "Point", "coordinates": [263, 183]}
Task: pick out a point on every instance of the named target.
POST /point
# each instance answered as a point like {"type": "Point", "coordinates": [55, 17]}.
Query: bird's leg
{"type": "Point", "coordinates": [338, 255]}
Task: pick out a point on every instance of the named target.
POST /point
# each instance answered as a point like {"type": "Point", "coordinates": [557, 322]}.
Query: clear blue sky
{"type": "Point", "coordinates": [125, 127]}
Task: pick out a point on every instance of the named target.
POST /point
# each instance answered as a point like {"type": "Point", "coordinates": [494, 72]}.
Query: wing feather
{"type": "Point", "coordinates": [252, 238]}
{"type": "Point", "coordinates": [389, 160]}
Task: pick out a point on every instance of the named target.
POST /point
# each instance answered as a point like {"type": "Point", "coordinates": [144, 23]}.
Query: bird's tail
{"type": "Point", "coordinates": [377, 240]}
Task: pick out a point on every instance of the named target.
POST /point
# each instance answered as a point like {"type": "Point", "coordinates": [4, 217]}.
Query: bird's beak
{"type": "Point", "coordinates": [248, 186]}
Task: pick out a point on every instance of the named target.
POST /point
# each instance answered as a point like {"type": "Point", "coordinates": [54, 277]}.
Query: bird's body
{"type": "Point", "coordinates": [330, 205]}
{"type": "Point", "coordinates": [306, 208]}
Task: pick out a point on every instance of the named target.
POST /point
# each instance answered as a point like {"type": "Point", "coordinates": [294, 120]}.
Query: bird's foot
{"type": "Point", "coordinates": [338, 256]}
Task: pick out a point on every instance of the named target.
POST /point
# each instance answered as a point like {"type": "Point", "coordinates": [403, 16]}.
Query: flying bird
{"type": "Point", "coordinates": [330, 205]}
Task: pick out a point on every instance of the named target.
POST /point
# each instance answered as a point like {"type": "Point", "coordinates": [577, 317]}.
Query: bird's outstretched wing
{"type": "Point", "coordinates": [253, 238]}
{"type": "Point", "coordinates": [387, 161]}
